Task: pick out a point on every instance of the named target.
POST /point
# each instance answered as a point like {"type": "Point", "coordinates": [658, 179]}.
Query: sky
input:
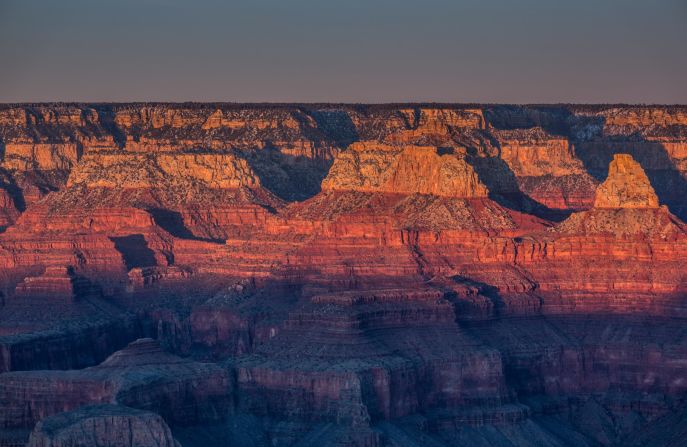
{"type": "Point", "coordinates": [371, 51]}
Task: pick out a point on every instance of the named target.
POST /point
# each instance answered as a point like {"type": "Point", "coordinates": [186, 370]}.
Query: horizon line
{"type": "Point", "coordinates": [343, 103]}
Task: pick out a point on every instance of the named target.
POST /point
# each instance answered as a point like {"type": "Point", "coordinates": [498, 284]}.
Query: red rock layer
{"type": "Point", "coordinates": [362, 332]}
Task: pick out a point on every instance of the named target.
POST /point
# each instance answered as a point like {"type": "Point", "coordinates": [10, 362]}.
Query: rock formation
{"type": "Point", "coordinates": [625, 204]}
{"type": "Point", "coordinates": [369, 275]}
{"type": "Point", "coordinates": [132, 171]}
{"type": "Point", "coordinates": [403, 170]}
{"type": "Point", "coordinates": [97, 425]}
{"type": "Point", "coordinates": [626, 186]}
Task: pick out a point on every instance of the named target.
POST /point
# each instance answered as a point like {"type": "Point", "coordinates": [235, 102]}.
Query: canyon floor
{"type": "Point", "coordinates": [343, 275]}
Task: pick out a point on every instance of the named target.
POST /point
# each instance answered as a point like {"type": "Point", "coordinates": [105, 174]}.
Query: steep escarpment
{"type": "Point", "coordinates": [350, 275]}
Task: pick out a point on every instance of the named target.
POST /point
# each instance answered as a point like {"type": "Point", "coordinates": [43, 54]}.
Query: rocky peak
{"type": "Point", "coordinates": [626, 186]}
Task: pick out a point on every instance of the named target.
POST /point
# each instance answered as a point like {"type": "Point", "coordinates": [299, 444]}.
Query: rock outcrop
{"type": "Point", "coordinates": [101, 425]}
{"type": "Point", "coordinates": [546, 168]}
{"type": "Point", "coordinates": [370, 167]}
{"type": "Point", "coordinates": [625, 204]}
{"type": "Point", "coordinates": [132, 171]}
{"type": "Point", "coordinates": [626, 186]}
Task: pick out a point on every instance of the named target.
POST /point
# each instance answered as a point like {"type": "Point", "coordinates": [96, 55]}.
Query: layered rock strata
{"type": "Point", "coordinates": [342, 275]}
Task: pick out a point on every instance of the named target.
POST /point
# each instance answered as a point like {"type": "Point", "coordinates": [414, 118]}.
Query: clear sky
{"type": "Point", "coordinates": [344, 50]}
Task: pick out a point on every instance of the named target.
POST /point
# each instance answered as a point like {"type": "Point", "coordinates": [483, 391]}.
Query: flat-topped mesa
{"type": "Point", "coordinates": [130, 171]}
{"type": "Point", "coordinates": [626, 186]}
{"type": "Point", "coordinates": [374, 167]}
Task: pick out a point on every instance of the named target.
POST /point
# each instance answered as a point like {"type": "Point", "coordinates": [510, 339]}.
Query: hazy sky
{"type": "Point", "coordinates": [344, 50]}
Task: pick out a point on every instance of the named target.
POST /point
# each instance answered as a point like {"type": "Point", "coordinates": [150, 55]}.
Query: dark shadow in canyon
{"type": "Point", "coordinates": [554, 120]}
{"type": "Point", "coordinates": [15, 193]}
{"type": "Point", "coordinates": [134, 249]}
{"type": "Point", "coordinates": [289, 177]}
{"type": "Point", "coordinates": [298, 177]}
{"type": "Point", "coordinates": [45, 181]}
{"type": "Point", "coordinates": [336, 126]}
{"type": "Point", "coordinates": [173, 223]}
{"type": "Point", "coordinates": [504, 189]}
{"type": "Point", "coordinates": [486, 290]}
{"type": "Point", "coordinates": [594, 149]}
{"type": "Point", "coordinates": [106, 116]}
{"type": "Point", "coordinates": [9, 184]}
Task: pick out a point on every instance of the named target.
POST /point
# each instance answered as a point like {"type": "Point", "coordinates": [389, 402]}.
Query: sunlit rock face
{"type": "Point", "coordinates": [626, 186]}
{"type": "Point", "coordinates": [406, 169]}
{"type": "Point", "coordinates": [297, 275]}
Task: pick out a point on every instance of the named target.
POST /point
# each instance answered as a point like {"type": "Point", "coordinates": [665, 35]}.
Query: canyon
{"type": "Point", "coordinates": [343, 275]}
